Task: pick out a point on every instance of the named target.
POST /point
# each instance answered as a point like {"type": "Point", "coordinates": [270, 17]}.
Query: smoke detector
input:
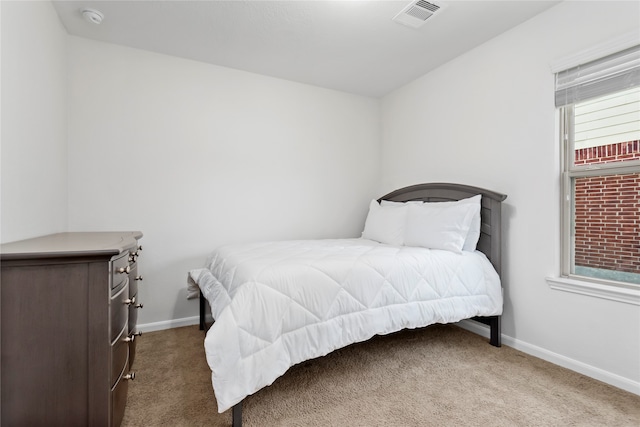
{"type": "Point", "coordinates": [416, 13]}
{"type": "Point", "coordinates": [92, 15]}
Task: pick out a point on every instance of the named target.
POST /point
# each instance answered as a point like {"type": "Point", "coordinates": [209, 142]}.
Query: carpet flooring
{"type": "Point", "coordinates": [436, 376]}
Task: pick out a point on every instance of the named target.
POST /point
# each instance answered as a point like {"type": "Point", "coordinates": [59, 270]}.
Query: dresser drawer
{"type": "Point", "coordinates": [133, 313]}
{"type": "Point", "coordinates": [120, 270]}
{"type": "Point", "coordinates": [133, 320]}
{"type": "Point", "coordinates": [119, 401]}
{"type": "Point", "coordinates": [119, 312]}
{"type": "Point", "coordinates": [132, 352]}
{"type": "Point", "coordinates": [119, 357]}
{"type": "Point", "coordinates": [133, 279]}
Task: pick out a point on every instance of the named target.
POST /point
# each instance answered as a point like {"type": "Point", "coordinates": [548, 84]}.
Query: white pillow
{"type": "Point", "coordinates": [471, 240]}
{"type": "Point", "coordinates": [385, 224]}
{"type": "Point", "coordinates": [439, 225]}
{"type": "Point", "coordinates": [473, 236]}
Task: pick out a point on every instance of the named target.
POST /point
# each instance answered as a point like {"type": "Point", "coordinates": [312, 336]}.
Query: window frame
{"type": "Point", "coordinates": [583, 285]}
{"type": "Point", "coordinates": [569, 281]}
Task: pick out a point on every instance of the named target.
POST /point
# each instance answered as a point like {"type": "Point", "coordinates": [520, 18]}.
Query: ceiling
{"type": "Point", "coordinates": [349, 45]}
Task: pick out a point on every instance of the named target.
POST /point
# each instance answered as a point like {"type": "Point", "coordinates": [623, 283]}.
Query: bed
{"type": "Point", "coordinates": [429, 253]}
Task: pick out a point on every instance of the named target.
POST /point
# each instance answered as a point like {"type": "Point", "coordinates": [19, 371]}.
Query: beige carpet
{"type": "Point", "coordinates": [438, 376]}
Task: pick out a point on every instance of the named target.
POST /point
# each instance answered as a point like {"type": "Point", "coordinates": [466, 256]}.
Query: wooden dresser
{"type": "Point", "coordinates": [68, 315]}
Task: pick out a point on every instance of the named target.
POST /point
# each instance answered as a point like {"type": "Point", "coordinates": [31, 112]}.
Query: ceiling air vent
{"type": "Point", "coordinates": [416, 13]}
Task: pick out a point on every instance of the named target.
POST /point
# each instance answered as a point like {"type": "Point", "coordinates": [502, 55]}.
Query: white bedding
{"type": "Point", "coordinates": [280, 303]}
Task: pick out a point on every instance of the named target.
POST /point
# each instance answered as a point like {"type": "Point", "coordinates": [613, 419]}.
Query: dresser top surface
{"type": "Point", "coordinates": [71, 244]}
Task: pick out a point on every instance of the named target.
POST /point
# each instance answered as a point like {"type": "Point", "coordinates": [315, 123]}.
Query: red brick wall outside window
{"type": "Point", "coordinates": [607, 211]}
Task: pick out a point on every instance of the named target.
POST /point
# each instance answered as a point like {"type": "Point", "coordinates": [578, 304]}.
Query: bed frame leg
{"type": "Point", "coordinates": [495, 325]}
{"type": "Point", "coordinates": [202, 301]}
{"type": "Point", "coordinates": [495, 329]}
{"type": "Point", "coordinates": [236, 415]}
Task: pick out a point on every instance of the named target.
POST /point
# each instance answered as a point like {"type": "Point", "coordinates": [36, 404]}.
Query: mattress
{"type": "Point", "coordinates": [276, 304]}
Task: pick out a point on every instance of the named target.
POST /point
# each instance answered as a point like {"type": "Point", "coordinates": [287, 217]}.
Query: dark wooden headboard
{"type": "Point", "coordinates": [490, 214]}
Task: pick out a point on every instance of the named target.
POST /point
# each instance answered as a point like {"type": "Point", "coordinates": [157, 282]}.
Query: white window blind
{"type": "Point", "coordinates": [609, 74]}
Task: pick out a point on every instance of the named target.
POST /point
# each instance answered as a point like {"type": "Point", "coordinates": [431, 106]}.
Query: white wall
{"type": "Point", "coordinates": [196, 156]}
{"type": "Point", "coordinates": [34, 121]}
{"type": "Point", "coordinates": [487, 118]}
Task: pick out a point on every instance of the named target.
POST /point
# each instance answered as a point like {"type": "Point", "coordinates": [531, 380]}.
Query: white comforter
{"type": "Point", "coordinates": [280, 303]}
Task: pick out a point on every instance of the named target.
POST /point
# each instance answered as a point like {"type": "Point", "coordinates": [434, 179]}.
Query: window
{"type": "Point", "coordinates": [599, 106]}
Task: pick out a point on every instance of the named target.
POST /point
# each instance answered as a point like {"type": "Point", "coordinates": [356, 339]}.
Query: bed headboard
{"type": "Point", "coordinates": [490, 214]}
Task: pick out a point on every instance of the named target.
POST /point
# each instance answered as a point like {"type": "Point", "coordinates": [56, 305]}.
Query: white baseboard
{"type": "Point", "coordinates": [168, 324]}
{"type": "Point", "coordinates": [557, 359]}
{"type": "Point", "coordinates": [175, 323]}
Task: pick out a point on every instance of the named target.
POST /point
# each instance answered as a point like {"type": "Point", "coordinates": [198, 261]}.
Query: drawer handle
{"type": "Point", "coordinates": [132, 337]}
{"type": "Point", "coordinates": [138, 278]}
{"type": "Point", "coordinates": [130, 376]}
{"type": "Point", "coordinates": [130, 301]}
{"type": "Point", "coordinates": [123, 270]}
{"type": "Point", "coordinates": [136, 253]}
{"type": "Point", "coordinates": [138, 306]}
{"type": "Point", "coordinates": [133, 256]}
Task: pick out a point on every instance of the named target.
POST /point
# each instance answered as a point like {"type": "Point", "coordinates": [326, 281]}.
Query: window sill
{"type": "Point", "coordinates": [595, 289]}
